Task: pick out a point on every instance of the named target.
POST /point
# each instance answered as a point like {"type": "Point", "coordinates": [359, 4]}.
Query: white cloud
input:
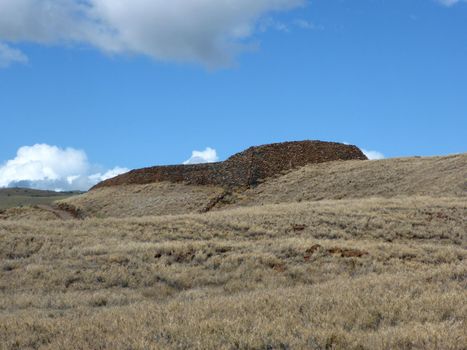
{"type": "Point", "coordinates": [49, 167]}
{"type": "Point", "coordinates": [210, 32]}
{"type": "Point", "coordinates": [373, 155]}
{"type": "Point", "coordinates": [95, 178]}
{"type": "Point", "coordinates": [9, 55]}
{"type": "Point", "coordinates": [209, 155]}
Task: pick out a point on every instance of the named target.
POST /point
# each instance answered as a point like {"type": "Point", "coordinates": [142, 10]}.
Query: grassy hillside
{"type": "Point", "coordinates": [354, 255]}
{"type": "Point", "coordinates": [430, 176]}
{"type": "Point", "coordinates": [335, 274]}
{"type": "Point", "coordinates": [28, 213]}
{"type": "Point", "coordinates": [142, 200]}
{"type": "Point", "coordinates": [435, 176]}
{"type": "Point", "coordinates": [21, 197]}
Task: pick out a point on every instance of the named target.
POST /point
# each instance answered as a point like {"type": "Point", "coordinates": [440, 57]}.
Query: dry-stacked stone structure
{"type": "Point", "coordinates": [243, 169]}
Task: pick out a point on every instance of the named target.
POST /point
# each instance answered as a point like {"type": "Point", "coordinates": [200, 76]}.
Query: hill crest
{"type": "Point", "coordinates": [244, 169]}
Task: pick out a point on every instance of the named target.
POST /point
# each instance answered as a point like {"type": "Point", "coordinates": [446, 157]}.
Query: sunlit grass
{"type": "Point", "coordinates": [350, 274]}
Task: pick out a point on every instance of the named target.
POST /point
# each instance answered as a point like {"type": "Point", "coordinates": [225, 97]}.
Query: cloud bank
{"type": "Point", "coordinates": [52, 168]}
{"type": "Point", "coordinates": [209, 155]}
{"type": "Point", "coordinates": [210, 32]}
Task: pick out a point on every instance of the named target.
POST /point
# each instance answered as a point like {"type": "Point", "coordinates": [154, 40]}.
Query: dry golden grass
{"type": "Point", "coordinates": [29, 213]}
{"type": "Point", "coordinates": [142, 200]}
{"type": "Point", "coordinates": [372, 273]}
{"type": "Point", "coordinates": [435, 176]}
{"type": "Point", "coordinates": [429, 176]}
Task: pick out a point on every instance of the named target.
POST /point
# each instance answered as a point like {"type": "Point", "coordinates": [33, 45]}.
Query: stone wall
{"type": "Point", "coordinates": [243, 169]}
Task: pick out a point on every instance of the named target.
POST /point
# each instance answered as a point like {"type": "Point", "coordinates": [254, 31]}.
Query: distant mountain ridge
{"type": "Point", "coordinates": [16, 197]}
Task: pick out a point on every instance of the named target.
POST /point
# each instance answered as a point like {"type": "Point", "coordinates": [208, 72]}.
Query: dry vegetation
{"type": "Point", "coordinates": [431, 176]}
{"type": "Point", "coordinates": [29, 213]}
{"type": "Point", "coordinates": [143, 200]}
{"type": "Point", "coordinates": [373, 273]}
{"type": "Point", "coordinates": [357, 255]}
{"type": "Point", "coordinates": [435, 176]}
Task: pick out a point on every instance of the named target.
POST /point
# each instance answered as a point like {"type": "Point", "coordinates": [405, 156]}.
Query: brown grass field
{"type": "Point", "coordinates": [433, 176]}
{"type": "Point", "coordinates": [341, 266]}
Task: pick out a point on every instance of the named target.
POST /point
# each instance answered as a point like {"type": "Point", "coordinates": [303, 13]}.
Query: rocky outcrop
{"type": "Point", "coordinates": [244, 169]}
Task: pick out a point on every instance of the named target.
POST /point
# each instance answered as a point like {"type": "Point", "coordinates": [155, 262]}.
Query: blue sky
{"type": "Point", "coordinates": [388, 76]}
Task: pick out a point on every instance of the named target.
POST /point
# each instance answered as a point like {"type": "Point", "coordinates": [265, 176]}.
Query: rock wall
{"type": "Point", "coordinates": [243, 169]}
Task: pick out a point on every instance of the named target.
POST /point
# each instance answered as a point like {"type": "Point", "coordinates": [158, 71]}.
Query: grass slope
{"type": "Point", "coordinates": [434, 176]}
{"type": "Point", "coordinates": [163, 198]}
{"type": "Point", "coordinates": [430, 176]}
{"type": "Point", "coordinates": [356, 255]}
{"type": "Point", "coordinates": [338, 274]}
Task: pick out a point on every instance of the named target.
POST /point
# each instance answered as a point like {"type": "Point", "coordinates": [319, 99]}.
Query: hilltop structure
{"type": "Point", "coordinates": [244, 169]}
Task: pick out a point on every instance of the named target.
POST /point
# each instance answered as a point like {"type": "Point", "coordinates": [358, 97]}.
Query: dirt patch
{"type": "Point", "coordinates": [310, 251]}
{"type": "Point", "coordinates": [342, 252]}
{"type": "Point", "coordinates": [60, 212]}
{"type": "Point", "coordinates": [347, 253]}
{"type": "Point", "coordinates": [216, 201]}
{"type": "Point", "coordinates": [298, 228]}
